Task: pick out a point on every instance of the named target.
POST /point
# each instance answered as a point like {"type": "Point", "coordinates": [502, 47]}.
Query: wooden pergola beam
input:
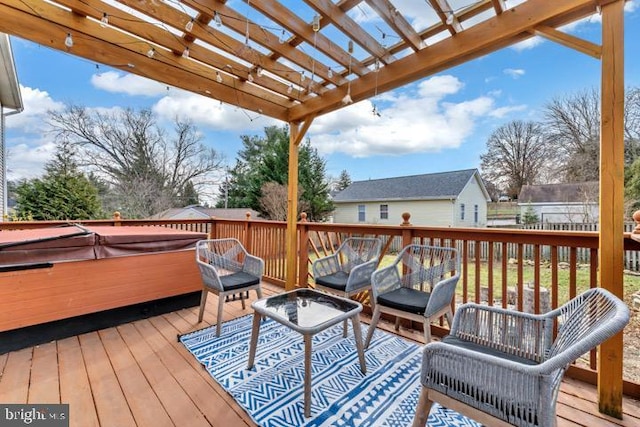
{"type": "Point", "coordinates": [398, 22]}
{"type": "Point", "coordinates": [48, 25]}
{"type": "Point", "coordinates": [611, 250]}
{"type": "Point", "coordinates": [486, 37]}
{"type": "Point", "coordinates": [570, 41]}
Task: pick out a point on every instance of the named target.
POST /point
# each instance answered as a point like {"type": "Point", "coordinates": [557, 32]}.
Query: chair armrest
{"type": "Point", "coordinates": [472, 377]}
{"type": "Point", "coordinates": [385, 280]}
{"type": "Point", "coordinates": [209, 276]}
{"type": "Point", "coordinates": [509, 331]}
{"type": "Point", "coordinates": [360, 275]}
{"type": "Point", "coordinates": [325, 266]}
{"type": "Point", "coordinates": [253, 265]}
{"type": "Point", "coordinates": [441, 295]}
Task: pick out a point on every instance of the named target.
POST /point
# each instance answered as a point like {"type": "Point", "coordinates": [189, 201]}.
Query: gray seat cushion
{"type": "Point", "coordinates": [238, 280]}
{"type": "Point", "coordinates": [486, 350]}
{"type": "Point", "coordinates": [337, 281]}
{"type": "Point", "coordinates": [405, 299]}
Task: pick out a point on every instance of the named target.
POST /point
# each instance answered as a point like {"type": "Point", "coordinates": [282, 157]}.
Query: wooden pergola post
{"type": "Point", "coordinates": [611, 250]}
{"type": "Point", "coordinates": [297, 130]}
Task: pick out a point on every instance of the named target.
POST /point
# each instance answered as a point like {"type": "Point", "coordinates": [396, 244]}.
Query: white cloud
{"type": "Point", "coordinates": [631, 6]}
{"type": "Point", "coordinates": [26, 161]}
{"type": "Point", "coordinates": [129, 84]}
{"type": "Point", "coordinates": [501, 112]}
{"type": "Point", "coordinates": [36, 104]}
{"type": "Point", "coordinates": [514, 73]}
{"type": "Point", "coordinates": [416, 121]}
{"type": "Point", "coordinates": [529, 43]}
{"type": "Point", "coordinates": [203, 111]}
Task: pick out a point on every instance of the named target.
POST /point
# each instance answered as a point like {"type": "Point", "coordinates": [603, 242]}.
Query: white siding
{"type": "Point", "coordinates": [437, 213]}
{"type": "Point", "coordinates": [471, 196]}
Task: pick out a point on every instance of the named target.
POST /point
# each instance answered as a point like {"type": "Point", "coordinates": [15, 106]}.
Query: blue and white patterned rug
{"type": "Point", "coordinates": [272, 392]}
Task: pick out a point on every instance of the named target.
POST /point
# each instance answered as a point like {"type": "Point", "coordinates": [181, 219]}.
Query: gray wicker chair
{"type": "Point", "coordinates": [227, 269]}
{"type": "Point", "coordinates": [348, 271]}
{"type": "Point", "coordinates": [420, 285]}
{"type": "Point", "coordinates": [503, 367]}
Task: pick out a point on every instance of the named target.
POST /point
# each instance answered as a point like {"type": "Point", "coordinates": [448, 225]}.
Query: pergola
{"type": "Point", "coordinates": [296, 60]}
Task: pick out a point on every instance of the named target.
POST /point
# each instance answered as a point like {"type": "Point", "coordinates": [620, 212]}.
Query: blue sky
{"type": "Point", "coordinates": [437, 124]}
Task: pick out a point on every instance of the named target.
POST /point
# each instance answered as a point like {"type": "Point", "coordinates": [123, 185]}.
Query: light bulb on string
{"type": "Point", "coordinates": [104, 21]}
{"type": "Point", "coordinates": [450, 18]}
{"type": "Point", "coordinates": [283, 37]}
{"type": "Point", "coordinates": [330, 73]}
{"type": "Point", "coordinates": [217, 19]}
{"type": "Point", "coordinates": [250, 77]}
{"type": "Point", "coordinates": [290, 89]}
{"type": "Point", "coordinates": [302, 76]}
{"type": "Point", "coordinates": [189, 25]}
{"type": "Point", "coordinates": [68, 41]}
{"type": "Point", "coordinates": [218, 77]}
{"type": "Point", "coordinates": [185, 52]}
{"type": "Point", "coordinates": [151, 52]}
{"type": "Point", "coordinates": [259, 71]}
{"type": "Point", "coordinates": [315, 25]}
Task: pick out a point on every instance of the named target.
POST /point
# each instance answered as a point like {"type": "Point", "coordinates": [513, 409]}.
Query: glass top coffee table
{"type": "Point", "coordinates": [308, 312]}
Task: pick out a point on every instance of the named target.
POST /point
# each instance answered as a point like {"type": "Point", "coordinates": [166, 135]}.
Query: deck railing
{"type": "Point", "coordinates": [536, 279]}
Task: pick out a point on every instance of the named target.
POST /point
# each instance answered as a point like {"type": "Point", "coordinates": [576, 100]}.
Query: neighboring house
{"type": "Point", "coordinates": [10, 103]}
{"type": "Point", "coordinates": [561, 203]}
{"type": "Point", "coordinates": [446, 199]}
{"type": "Point", "coordinates": [199, 212]}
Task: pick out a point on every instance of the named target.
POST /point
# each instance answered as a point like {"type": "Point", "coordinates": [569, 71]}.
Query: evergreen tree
{"type": "Point", "coordinates": [266, 160]}
{"type": "Point", "coordinates": [63, 193]}
{"type": "Point", "coordinates": [344, 180]}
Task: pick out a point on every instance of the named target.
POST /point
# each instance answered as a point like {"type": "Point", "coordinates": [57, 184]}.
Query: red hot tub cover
{"type": "Point", "coordinates": [93, 242]}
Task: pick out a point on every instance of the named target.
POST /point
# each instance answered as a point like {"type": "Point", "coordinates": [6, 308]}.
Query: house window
{"type": "Point", "coordinates": [361, 213]}
{"type": "Point", "coordinates": [384, 211]}
{"type": "Point", "coordinates": [461, 211]}
{"type": "Point", "coordinates": [475, 214]}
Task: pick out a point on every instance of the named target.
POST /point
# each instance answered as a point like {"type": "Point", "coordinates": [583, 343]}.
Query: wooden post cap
{"type": "Point", "coordinates": [405, 218]}
{"type": "Point", "coordinates": [303, 216]}
{"type": "Point", "coordinates": [248, 214]}
{"type": "Point", "coordinates": [116, 216]}
{"type": "Point", "coordinates": [636, 218]}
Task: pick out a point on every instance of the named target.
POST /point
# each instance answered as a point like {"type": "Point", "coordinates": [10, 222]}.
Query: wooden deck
{"type": "Point", "coordinates": [137, 374]}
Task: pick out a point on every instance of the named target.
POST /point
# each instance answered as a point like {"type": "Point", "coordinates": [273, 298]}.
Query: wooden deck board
{"type": "Point", "coordinates": [139, 394]}
{"type": "Point", "coordinates": [74, 383]}
{"type": "Point", "coordinates": [44, 382]}
{"type": "Point", "coordinates": [111, 405]}
{"type": "Point", "coordinates": [139, 374]}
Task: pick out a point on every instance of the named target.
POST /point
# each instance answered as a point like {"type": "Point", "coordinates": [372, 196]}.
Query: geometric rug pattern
{"type": "Point", "coordinates": [272, 391]}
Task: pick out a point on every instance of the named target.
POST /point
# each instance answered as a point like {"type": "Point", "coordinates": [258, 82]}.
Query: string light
{"type": "Point", "coordinates": [185, 53]}
{"type": "Point", "coordinates": [316, 23]}
{"type": "Point", "coordinates": [105, 20]}
{"type": "Point", "coordinates": [302, 76]}
{"type": "Point", "coordinates": [218, 77]}
{"type": "Point", "coordinates": [330, 73]}
{"type": "Point", "coordinates": [283, 37]}
{"type": "Point", "coordinates": [347, 98]}
{"type": "Point", "coordinates": [290, 89]}
{"type": "Point", "coordinates": [68, 41]}
{"type": "Point", "coordinates": [250, 77]}
{"type": "Point", "coordinates": [450, 17]}
{"type": "Point", "coordinates": [259, 71]}
{"type": "Point", "coordinates": [189, 25]}
{"type": "Point", "coordinates": [217, 19]}
{"type": "Point", "coordinates": [151, 52]}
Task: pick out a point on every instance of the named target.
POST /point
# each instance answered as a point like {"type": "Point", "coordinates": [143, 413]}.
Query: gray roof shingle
{"type": "Point", "coordinates": [443, 185]}
{"type": "Point", "coordinates": [578, 192]}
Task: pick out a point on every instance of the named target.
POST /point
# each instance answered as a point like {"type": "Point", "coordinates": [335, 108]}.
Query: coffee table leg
{"type": "Point", "coordinates": [307, 375]}
{"type": "Point", "coordinates": [255, 331]}
{"type": "Point", "coordinates": [357, 335]}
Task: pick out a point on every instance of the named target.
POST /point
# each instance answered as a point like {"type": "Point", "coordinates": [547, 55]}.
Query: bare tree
{"type": "Point", "coordinates": [146, 170]}
{"type": "Point", "coordinates": [274, 201]}
{"type": "Point", "coordinates": [573, 126]}
{"type": "Point", "coordinates": [517, 153]}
